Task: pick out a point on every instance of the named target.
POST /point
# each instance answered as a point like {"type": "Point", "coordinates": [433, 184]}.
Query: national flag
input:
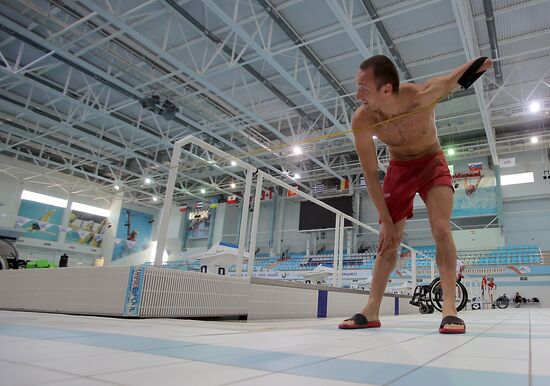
{"type": "Point", "coordinates": [319, 188]}
{"type": "Point", "coordinates": [344, 184]}
{"type": "Point", "coordinates": [198, 205]}
{"type": "Point", "coordinates": [183, 208]}
{"type": "Point", "coordinates": [290, 193]}
{"type": "Point", "coordinates": [475, 166]}
{"type": "Point", "coordinates": [232, 199]}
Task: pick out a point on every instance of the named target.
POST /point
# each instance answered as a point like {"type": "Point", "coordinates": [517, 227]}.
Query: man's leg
{"type": "Point", "coordinates": [439, 202]}
{"type": "Point", "coordinates": [383, 266]}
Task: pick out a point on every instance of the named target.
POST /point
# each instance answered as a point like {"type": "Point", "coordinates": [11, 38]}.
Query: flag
{"type": "Point", "coordinates": [82, 233]}
{"type": "Point", "coordinates": [20, 221]}
{"type": "Point", "coordinates": [319, 188]}
{"type": "Point", "coordinates": [44, 225]}
{"type": "Point", "coordinates": [362, 181]}
{"type": "Point", "coordinates": [232, 199]}
{"type": "Point", "coordinates": [344, 184]}
{"type": "Point", "coordinates": [213, 205]}
{"type": "Point", "coordinates": [183, 208]}
{"type": "Point", "coordinates": [198, 205]}
{"type": "Point", "coordinates": [267, 195]}
{"type": "Point", "coordinates": [290, 193]}
{"type": "Point", "coordinates": [475, 166]}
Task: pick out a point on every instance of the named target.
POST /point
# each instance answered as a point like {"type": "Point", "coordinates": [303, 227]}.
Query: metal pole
{"type": "Point", "coordinates": [167, 207]}
{"type": "Point", "coordinates": [341, 252]}
{"type": "Point", "coordinates": [244, 223]}
{"type": "Point", "coordinates": [336, 246]}
{"type": "Point", "coordinates": [254, 230]}
{"type": "Point", "coordinates": [413, 268]}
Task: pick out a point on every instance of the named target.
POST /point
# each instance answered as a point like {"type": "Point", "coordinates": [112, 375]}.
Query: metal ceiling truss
{"type": "Point", "coordinates": [79, 68]}
{"type": "Point", "coordinates": [90, 121]}
{"type": "Point", "coordinates": [190, 72]}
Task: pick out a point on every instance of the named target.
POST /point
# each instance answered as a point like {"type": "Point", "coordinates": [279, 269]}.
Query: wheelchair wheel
{"type": "Point", "coordinates": [431, 309]}
{"type": "Point", "coordinates": [436, 295]}
{"type": "Point", "coordinates": [503, 303]}
{"type": "Point", "coordinates": [424, 309]}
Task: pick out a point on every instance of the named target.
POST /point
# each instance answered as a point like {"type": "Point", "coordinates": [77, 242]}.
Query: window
{"type": "Point", "coordinates": [519, 178]}
{"type": "Point", "coordinates": [90, 209]}
{"type": "Point", "coordinates": [43, 199]}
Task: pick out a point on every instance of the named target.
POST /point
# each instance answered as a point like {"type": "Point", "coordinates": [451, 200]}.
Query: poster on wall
{"type": "Point", "coordinates": [481, 202]}
{"type": "Point", "coordinates": [86, 229]}
{"type": "Point", "coordinates": [39, 221]}
{"type": "Point", "coordinates": [199, 224]}
{"type": "Point", "coordinates": [133, 233]}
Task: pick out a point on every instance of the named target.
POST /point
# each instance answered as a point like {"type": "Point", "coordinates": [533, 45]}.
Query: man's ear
{"type": "Point", "coordinates": [387, 88]}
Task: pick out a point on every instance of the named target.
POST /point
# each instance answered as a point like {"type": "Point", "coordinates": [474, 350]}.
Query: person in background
{"type": "Point", "coordinates": [517, 299]}
{"type": "Point", "coordinates": [492, 289]}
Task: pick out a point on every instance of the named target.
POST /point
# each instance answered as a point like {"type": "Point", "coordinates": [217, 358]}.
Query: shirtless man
{"type": "Point", "coordinates": [417, 164]}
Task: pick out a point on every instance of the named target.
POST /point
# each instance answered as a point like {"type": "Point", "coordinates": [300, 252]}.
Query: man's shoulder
{"type": "Point", "coordinates": [362, 115]}
{"type": "Point", "coordinates": [409, 91]}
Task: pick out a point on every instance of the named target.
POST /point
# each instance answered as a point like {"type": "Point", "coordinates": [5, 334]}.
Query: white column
{"type": "Point", "coordinates": [65, 221]}
{"type": "Point", "coordinates": [167, 207]}
{"type": "Point", "coordinates": [108, 243]}
{"type": "Point", "coordinates": [244, 223]}
{"type": "Point", "coordinates": [254, 228]}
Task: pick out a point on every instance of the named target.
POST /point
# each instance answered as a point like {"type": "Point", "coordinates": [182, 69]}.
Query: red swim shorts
{"type": "Point", "coordinates": [404, 178]}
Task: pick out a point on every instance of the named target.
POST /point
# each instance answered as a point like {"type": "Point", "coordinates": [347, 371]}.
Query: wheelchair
{"type": "Point", "coordinates": [429, 297]}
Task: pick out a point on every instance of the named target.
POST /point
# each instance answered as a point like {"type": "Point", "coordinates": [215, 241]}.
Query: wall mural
{"type": "Point", "coordinates": [39, 221]}
{"type": "Point", "coordinates": [86, 229]}
{"type": "Point", "coordinates": [133, 233]}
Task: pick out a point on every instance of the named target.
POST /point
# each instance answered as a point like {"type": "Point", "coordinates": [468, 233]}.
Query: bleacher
{"type": "Point", "coordinates": [296, 261]}
{"type": "Point", "coordinates": [509, 255]}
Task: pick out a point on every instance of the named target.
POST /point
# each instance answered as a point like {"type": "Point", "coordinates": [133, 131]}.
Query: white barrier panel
{"type": "Point", "coordinates": [144, 292]}
{"type": "Point", "coordinates": [79, 290]}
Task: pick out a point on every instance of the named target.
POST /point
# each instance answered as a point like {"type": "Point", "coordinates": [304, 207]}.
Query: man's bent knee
{"type": "Point", "coordinates": [441, 231]}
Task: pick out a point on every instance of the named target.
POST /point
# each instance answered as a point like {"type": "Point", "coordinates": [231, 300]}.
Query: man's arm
{"type": "Point", "coordinates": [366, 150]}
{"type": "Point", "coordinates": [438, 87]}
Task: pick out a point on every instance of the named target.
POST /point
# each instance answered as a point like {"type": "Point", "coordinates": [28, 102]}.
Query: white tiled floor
{"type": "Point", "coordinates": [504, 347]}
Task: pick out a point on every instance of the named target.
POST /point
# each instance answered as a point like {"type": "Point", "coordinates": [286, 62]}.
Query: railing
{"type": "Point", "coordinates": [251, 171]}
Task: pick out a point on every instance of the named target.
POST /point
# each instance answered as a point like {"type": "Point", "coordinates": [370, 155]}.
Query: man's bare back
{"type": "Point", "coordinates": [408, 137]}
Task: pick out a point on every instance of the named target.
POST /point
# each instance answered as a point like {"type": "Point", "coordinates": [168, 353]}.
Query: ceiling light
{"type": "Point", "coordinates": [203, 191]}
{"type": "Point", "coordinates": [233, 163]}
{"type": "Point", "coordinates": [374, 137]}
{"type": "Point", "coordinates": [534, 107]}
{"type": "Point", "coordinates": [116, 187]}
{"type": "Point", "coordinates": [155, 198]}
{"type": "Point", "coordinates": [233, 185]}
{"type": "Point", "coordinates": [451, 151]}
{"type": "Point", "coordinates": [534, 139]}
{"type": "Point", "coordinates": [147, 180]}
{"type": "Point", "coordinates": [297, 176]}
{"type": "Point", "coordinates": [297, 150]}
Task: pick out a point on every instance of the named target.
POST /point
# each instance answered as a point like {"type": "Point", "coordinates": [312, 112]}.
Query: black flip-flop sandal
{"type": "Point", "coordinates": [450, 319]}
{"type": "Point", "coordinates": [360, 321]}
